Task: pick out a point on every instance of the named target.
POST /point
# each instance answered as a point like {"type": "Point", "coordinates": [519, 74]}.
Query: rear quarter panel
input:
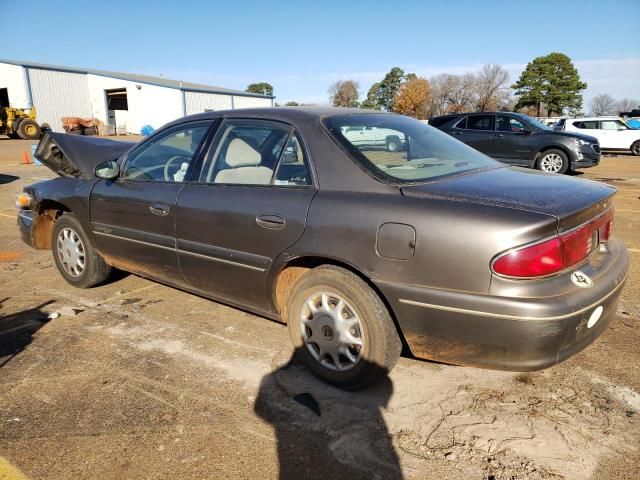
{"type": "Point", "coordinates": [455, 240]}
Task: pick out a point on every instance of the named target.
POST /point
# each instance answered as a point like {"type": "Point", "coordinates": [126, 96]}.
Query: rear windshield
{"type": "Point", "coordinates": [399, 148]}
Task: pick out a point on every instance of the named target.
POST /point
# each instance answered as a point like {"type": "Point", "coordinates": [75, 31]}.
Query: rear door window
{"type": "Point", "coordinates": [256, 152]}
{"type": "Point", "coordinates": [480, 122]}
{"type": "Point", "coordinates": [613, 125]}
{"type": "Point", "coordinates": [507, 123]}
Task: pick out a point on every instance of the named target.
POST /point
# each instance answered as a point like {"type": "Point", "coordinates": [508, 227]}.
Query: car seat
{"type": "Point", "coordinates": [244, 167]}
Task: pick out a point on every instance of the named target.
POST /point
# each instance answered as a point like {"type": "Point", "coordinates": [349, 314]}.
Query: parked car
{"type": "Point", "coordinates": [437, 246]}
{"type": "Point", "coordinates": [374, 137]}
{"type": "Point", "coordinates": [612, 133]}
{"type": "Point", "coordinates": [520, 140]}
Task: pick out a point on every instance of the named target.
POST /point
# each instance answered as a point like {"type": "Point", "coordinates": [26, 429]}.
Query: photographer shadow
{"type": "Point", "coordinates": [324, 432]}
{"type": "Point", "coordinates": [18, 329]}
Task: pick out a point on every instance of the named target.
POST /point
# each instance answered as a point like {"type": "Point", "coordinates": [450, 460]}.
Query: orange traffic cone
{"type": "Point", "coordinates": [25, 158]}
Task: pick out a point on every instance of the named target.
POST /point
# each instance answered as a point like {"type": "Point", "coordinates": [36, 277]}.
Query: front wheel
{"type": "Point", "coordinates": [553, 161]}
{"type": "Point", "coordinates": [29, 129]}
{"type": "Point", "coordinates": [75, 256]}
{"type": "Point", "coordinates": [341, 329]}
{"type": "Point", "coordinates": [635, 148]}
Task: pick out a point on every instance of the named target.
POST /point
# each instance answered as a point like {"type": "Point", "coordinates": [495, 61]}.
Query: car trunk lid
{"type": "Point", "coordinates": [572, 201]}
{"type": "Point", "coordinates": [77, 156]}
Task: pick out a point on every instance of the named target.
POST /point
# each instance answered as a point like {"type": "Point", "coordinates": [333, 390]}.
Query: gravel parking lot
{"type": "Point", "coordinates": [134, 379]}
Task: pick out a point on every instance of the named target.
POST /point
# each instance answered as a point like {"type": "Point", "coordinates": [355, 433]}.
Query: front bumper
{"type": "Point", "coordinates": [25, 226]}
{"type": "Point", "coordinates": [586, 157]}
{"type": "Point", "coordinates": [511, 330]}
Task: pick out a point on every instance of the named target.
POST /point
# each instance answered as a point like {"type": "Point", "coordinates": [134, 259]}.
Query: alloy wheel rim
{"type": "Point", "coordinates": [332, 331]}
{"type": "Point", "coordinates": [71, 252]}
{"type": "Point", "coordinates": [551, 163]}
{"type": "Point", "coordinates": [636, 149]}
{"type": "Point", "coordinates": [392, 146]}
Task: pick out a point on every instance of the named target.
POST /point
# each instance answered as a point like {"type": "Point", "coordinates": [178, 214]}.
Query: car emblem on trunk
{"type": "Point", "coordinates": [581, 279]}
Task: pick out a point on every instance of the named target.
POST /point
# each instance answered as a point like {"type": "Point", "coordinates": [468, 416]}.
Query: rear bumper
{"type": "Point", "coordinates": [506, 332]}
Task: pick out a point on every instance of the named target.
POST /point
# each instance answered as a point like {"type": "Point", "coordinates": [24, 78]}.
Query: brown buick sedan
{"type": "Point", "coordinates": [362, 231]}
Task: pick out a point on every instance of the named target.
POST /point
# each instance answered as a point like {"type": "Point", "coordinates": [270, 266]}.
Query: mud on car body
{"type": "Point", "coordinates": [358, 248]}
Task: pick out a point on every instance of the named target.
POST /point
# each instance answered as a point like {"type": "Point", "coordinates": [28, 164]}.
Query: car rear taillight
{"type": "Point", "coordinates": [557, 253]}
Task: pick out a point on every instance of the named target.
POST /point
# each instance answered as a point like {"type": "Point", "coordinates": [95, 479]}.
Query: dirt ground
{"type": "Point", "coordinates": [137, 380]}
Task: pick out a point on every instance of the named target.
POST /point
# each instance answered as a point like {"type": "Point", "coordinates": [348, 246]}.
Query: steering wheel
{"type": "Point", "coordinates": [183, 158]}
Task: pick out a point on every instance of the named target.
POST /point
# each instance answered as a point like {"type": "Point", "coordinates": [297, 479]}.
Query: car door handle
{"type": "Point", "coordinates": [160, 209]}
{"type": "Point", "coordinates": [457, 133]}
{"type": "Point", "coordinates": [272, 222]}
{"type": "Point", "coordinates": [498, 135]}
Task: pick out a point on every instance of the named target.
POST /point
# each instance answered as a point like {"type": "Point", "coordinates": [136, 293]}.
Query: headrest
{"type": "Point", "coordinates": [241, 153]}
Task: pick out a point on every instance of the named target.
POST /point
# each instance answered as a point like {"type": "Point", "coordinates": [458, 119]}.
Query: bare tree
{"type": "Point", "coordinates": [603, 104]}
{"type": "Point", "coordinates": [485, 90]}
{"type": "Point", "coordinates": [491, 87]}
{"type": "Point", "coordinates": [626, 105]}
{"type": "Point", "coordinates": [344, 93]}
{"type": "Point", "coordinates": [441, 87]}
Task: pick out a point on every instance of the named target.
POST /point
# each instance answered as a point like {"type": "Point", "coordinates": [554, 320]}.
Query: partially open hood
{"type": "Point", "coordinates": [77, 156]}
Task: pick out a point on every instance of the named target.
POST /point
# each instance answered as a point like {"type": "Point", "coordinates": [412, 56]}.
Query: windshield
{"type": "Point", "coordinates": [395, 147]}
{"type": "Point", "coordinates": [535, 122]}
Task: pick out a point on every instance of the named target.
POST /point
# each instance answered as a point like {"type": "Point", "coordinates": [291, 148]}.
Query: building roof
{"type": "Point", "coordinates": [133, 77]}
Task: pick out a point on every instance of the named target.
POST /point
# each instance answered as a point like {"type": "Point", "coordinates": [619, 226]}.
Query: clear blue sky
{"type": "Point", "coordinates": [302, 47]}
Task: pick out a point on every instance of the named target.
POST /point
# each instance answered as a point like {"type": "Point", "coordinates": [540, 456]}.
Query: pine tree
{"type": "Point", "coordinates": [551, 80]}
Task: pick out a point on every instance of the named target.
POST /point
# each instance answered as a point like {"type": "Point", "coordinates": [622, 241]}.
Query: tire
{"type": "Point", "coordinates": [371, 325]}
{"type": "Point", "coordinates": [635, 148]}
{"type": "Point", "coordinates": [553, 161]}
{"type": "Point", "coordinates": [393, 144]}
{"type": "Point", "coordinates": [67, 253]}
{"type": "Point", "coordinates": [13, 135]}
{"type": "Point", "coordinates": [28, 129]}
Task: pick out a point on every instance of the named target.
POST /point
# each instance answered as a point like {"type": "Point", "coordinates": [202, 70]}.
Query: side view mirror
{"type": "Point", "coordinates": [108, 170]}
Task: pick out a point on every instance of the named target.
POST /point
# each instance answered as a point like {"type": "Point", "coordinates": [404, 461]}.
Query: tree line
{"type": "Point", "coordinates": [549, 85]}
{"type": "Point", "coordinates": [604, 104]}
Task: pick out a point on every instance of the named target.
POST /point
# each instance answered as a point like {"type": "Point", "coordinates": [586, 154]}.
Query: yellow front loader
{"type": "Point", "coordinates": [20, 123]}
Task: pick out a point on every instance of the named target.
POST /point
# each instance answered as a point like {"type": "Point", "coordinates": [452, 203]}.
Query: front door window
{"type": "Point", "coordinates": [166, 158]}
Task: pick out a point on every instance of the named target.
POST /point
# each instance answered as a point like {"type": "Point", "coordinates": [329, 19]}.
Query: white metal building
{"type": "Point", "coordinates": [120, 99]}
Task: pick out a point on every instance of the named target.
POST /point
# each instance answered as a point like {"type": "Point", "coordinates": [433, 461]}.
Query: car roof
{"type": "Point", "coordinates": [469, 114]}
{"type": "Point", "coordinates": [595, 118]}
{"type": "Point", "coordinates": [289, 113]}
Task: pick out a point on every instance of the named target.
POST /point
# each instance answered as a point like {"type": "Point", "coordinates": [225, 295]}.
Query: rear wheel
{"type": "Point", "coordinates": [29, 130]}
{"type": "Point", "coordinates": [341, 329]}
{"type": "Point", "coordinates": [635, 148]}
{"type": "Point", "coordinates": [553, 161]}
{"type": "Point", "coordinates": [75, 257]}
{"type": "Point", "coordinates": [393, 144]}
